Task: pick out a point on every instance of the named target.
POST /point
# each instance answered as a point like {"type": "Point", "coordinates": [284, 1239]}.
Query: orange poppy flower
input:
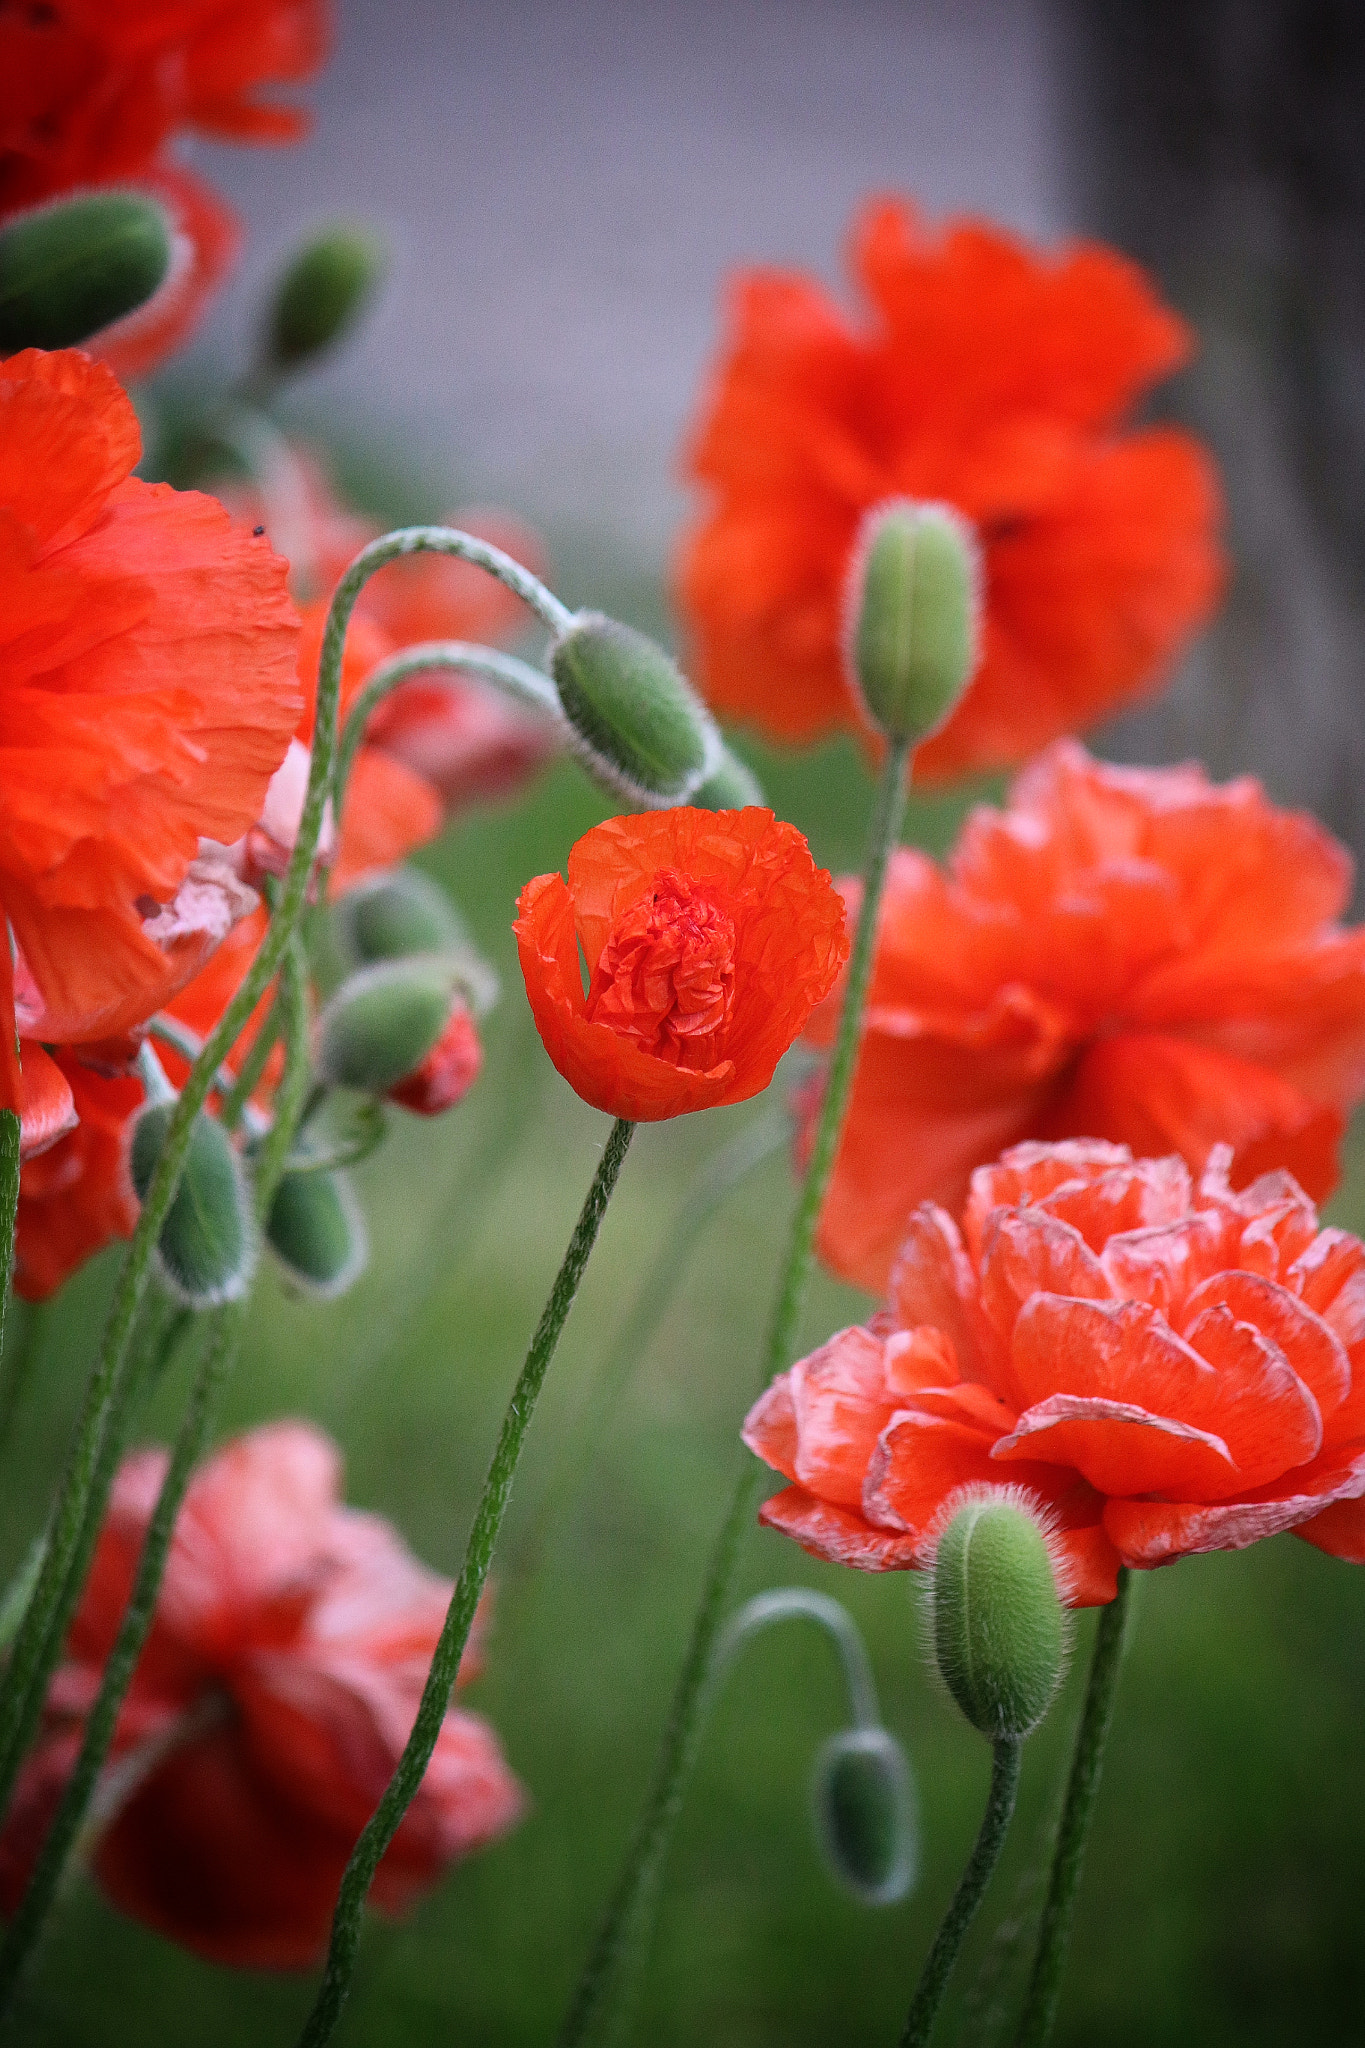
{"type": "Point", "coordinates": [277, 1688]}
{"type": "Point", "coordinates": [1168, 1368]}
{"type": "Point", "coordinates": [986, 377]}
{"type": "Point", "coordinates": [76, 1196]}
{"type": "Point", "coordinates": [149, 660]}
{"type": "Point", "coordinates": [708, 936]}
{"type": "Point", "coordinates": [1134, 954]}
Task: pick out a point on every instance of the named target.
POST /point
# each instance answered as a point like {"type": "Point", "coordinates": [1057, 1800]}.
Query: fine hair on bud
{"type": "Point", "coordinates": [863, 1802]}
{"type": "Point", "coordinates": [384, 1019]}
{"type": "Point", "coordinates": [317, 1232]}
{"type": "Point", "coordinates": [73, 267]}
{"type": "Point", "coordinates": [399, 912]}
{"type": "Point", "coordinates": [912, 612]}
{"type": "Point", "coordinates": [206, 1253]}
{"type": "Point", "coordinates": [997, 1608]}
{"type": "Point", "coordinates": [731, 786]}
{"type": "Point", "coordinates": [322, 294]}
{"type": "Point", "coordinates": [635, 723]}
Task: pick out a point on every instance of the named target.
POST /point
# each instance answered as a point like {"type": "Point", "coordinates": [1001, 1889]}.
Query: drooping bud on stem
{"type": "Point", "coordinates": [317, 1232]}
{"type": "Point", "coordinates": [384, 1020]}
{"type": "Point", "coordinates": [322, 294]}
{"type": "Point", "coordinates": [913, 604]}
{"type": "Point", "coordinates": [390, 916]}
{"type": "Point", "coordinates": [1000, 1629]}
{"type": "Point", "coordinates": [635, 723]}
{"type": "Point", "coordinates": [69, 269]}
{"type": "Point", "coordinates": [207, 1248]}
{"type": "Point", "coordinates": [731, 786]}
{"type": "Point", "coordinates": [865, 1814]}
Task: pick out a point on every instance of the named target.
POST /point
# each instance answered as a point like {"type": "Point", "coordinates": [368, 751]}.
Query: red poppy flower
{"type": "Point", "coordinates": [75, 1196]}
{"type": "Point", "coordinates": [985, 377]}
{"type": "Point", "coordinates": [708, 937]}
{"type": "Point", "coordinates": [276, 1691]}
{"type": "Point", "coordinates": [1126, 953]}
{"type": "Point", "coordinates": [149, 657]}
{"type": "Point", "coordinates": [1167, 1368]}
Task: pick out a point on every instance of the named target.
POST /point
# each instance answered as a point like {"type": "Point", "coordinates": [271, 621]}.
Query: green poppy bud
{"type": "Point", "coordinates": [634, 722]}
{"type": "Point", "coordinates": [730, 786]}
{"type": "Point", "coordinates": [384, 1020]}
{"type": "Point", "coordinates": [913, 604]}
{"type": "Point", "coordinates": [207, 1248]}
{"type": "Point", "coordinates": [322, 294]}
{"type": "Point", "coordinates": [865, 1815]}
{"type": "Point", "coordinates": [317, 1232]}
{"type": "Point", "coordinates": [69, 269]}
{"type": "Point", "coordinates": [1000, 1629]}
{"type": "Point", "coordinates": [389, 916]}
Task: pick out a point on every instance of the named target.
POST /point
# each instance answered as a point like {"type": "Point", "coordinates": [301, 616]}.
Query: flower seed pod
{"type": "Point", "coordinates": [634, 722]}
{"type": "Point", "coordinates": [389, 916]}
{"type": "Point", "coordinates": [730, 786]}
{"type": "Point", "coordinates": [207, 1248]}
{"type": "Point", "coordinates": [317, 1232]}
{"type": "Point", "coordinates": [865, 1815]}
{"type": "Point", "coordinates": [69, 269]}
{"type": "Point", "coordinates": [384, 1020]}
{"type": "Point", "coordinates": [322, 294]}
{"type": "Point", "coordinates": [1000, 1629]}
{"type": "Point", "coordinates": [913, 611]}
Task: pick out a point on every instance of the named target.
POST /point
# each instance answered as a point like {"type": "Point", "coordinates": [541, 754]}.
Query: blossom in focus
{"type": "Point", "coordinates": [1131, 954]}
{"type": "Point", "coordinates": [277, 1688]}
{"type": "Point", "coordinates": [1168, 1366]}
{"type": "Point", "coordinates": [983, 376]}
{"type": "Point", "coordinates": [148, 649]}
{"type": "Point", "coordinates": [708, 938]}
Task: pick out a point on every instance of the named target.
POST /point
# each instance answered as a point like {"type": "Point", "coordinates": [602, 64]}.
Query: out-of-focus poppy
{"type": "Point", "coordinates": [277, 1688]}
{"type": "Point", "coordinates": [1123, 953]}
{"type": "Point", "coordinates": [708, 938]}
{"type": "Point", "coordinates": [1168, 1368]}
{"type": "Point", "coordinates": [988, 378]}
{"type": "Point", "coordinates": [76, 1195]}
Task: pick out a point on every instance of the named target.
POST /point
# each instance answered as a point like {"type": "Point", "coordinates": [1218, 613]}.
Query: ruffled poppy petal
{"type": "Point", "coordinates": [836, 1534]}
{"type": "Point", "coordinates": [75, 1197]}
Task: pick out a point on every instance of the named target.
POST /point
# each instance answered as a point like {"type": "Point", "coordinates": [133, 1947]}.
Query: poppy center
{"type": "Point", "coordinates": [666, 975]}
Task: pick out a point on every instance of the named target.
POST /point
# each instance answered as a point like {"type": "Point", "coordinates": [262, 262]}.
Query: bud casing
{"type": "Point", "coordinates": [447, 1073]}
{"type": "Point", "coordinates": [730, 786]}
{"type": "Point", "coordinates": [391, 915]}
{"type": "Point", "coordinates": [206, 1252]}
{"type": "Point", "coordinates": [913, 607]}
{"type": "Point", "coordinates": [635, 723]}
{"type": "Point", "coordinates": [384, 1020]}
{"type": "Point", "coordinates": [316, 1230]}
{"type": "Point", "coordinates": [999, 1624]}
{"type": "Point", "coordinates": [865, 1821]}
{"type": "Point", "coordinates": [71, 268]}
{"type": "Point", "coordinates": [322, 294]}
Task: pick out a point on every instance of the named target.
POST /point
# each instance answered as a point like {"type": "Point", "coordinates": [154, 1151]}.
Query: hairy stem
{"type": "Point", "coordinates": [962, 1911]}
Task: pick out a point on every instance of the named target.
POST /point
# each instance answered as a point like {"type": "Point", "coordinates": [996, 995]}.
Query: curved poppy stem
{"type": "Point", "coordinates": [623, 1937]}
{"type": "Point", "coordinates": [1092, 1733]}
{"type": "Point", "coordinates": [216, 1363]}
{"type": "Point", "coordinates": [962, 1911]}
{"type": "Point", "coordinates": [403, 1785]}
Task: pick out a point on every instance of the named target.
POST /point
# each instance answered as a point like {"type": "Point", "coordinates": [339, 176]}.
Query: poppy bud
{"type": "Point", "coordinates": [384, 1020]}
{"type": "Point", "coordinates": [322, 294]}
{"type": "Point", "coordinates": [633, 721]}
{"type": "Point", "coordinates": [913, 609]}
{"type": "Point", "coordinates": [388, 916]}
{"type": "Point", "coordinates": [731, 786]}
{"type": "Point", "coordinates": [70, 269]}
{"type": "Point", "coordinates": [207, 1247]}
{"type": "Point", "coordinates": [317, 1232]}
{"type": "Point", "coordinates": [865, 1814]}
{"type": "Point", "coordinates": [1000, 1630]}
{"type": "Point", "coordinates": [448, 1071]}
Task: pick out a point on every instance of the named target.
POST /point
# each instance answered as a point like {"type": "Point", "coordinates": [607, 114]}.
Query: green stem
{"type": "Point", "coordinates": [1054, 1935]}
{"type": "Point", "coordinates": [403, 1785]}
{"type": "Point", "coordinates": [237, 1096]}
{"type": "Point", "coordinates": [22, 1351]}
{"type": "Point", "coordinates": [622, 1939]}
{"type": "Point", "coordinates": [961, 1913]}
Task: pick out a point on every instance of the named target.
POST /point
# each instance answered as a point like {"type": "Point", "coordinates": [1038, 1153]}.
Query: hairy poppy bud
{"type": "Point", "coordinates": [322, 294]}
{"type": "Point", "coordinates": [865, 1814]}
{"type": "Point", "coordinates": [317, 1232]}
{"type": "Point", "coordinates": [72, 268]}
{"type": "Point", "coordinates": [913, 606]}
{"type": "Point", "coordinates": [447, 1073]}
{"type": "Point", "coordinates": [207, 1247]}
{"type": "Point", "coordinates": [1000, 1630]}
{"type": "Point", "coordinates": [389, 916]}
{"type": "Point", "coordinates": [730, 785]}
{"type": "Point", "coordinates": [384, 1020]}
{"type": "Point", "coordinates": [634, 722]}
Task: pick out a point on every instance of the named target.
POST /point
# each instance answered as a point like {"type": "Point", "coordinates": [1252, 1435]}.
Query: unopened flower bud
{"type": "Point", "coordinates": [1000, 1630]}
{"type": "Point", "coordinates": [207, 1248]}
{"type": "Point", "coordinates": [634, 722]}
{"type": "Point", "coordinates": [71, 268]}
{"type": "Point", "coordinates": [448, 1071]}
{"type": "Point", "coordinates": [913, 605]}
{"type": "Point", "coordinates": [317, 1232]}
{"type": "Point", "coordinates": [384, 1020]}
{"type": "Point", "coordinates": [391, 915]}
{"type": "Point", "coordinates": [322, 294]}
{"type": "Point", "coordinates": [731, 786]}
{"type": "Point", "coordinates": [865, 1814]}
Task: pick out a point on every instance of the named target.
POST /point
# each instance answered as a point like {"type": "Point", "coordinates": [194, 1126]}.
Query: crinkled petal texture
{"type": "Point", "coordinates": [277, 1689]}
{"type": "Point", "coordinates": [1168, 1365]}
{"type": "Point", "coordinates": [708, 937]}
{"type": "Point", "coordinates": [148, 652]}
{"type": "Point", "coordinates": [75, 1195]}
{"type": "Point", "coordinates": [1131, 954]}
{"type": "Point", "coordinates": [987, 377]}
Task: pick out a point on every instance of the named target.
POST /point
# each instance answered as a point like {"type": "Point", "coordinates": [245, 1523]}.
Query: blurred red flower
{"type": "Point", "coordinates": [708, 938]}
{"type": "Point", "coordinates": [986, 377]}
{"type": "Point", "coordinates": [1168, 1368]}
{"type": "Point", "coordinates": [76, 1195]}
{"type": "Point", "coordinates": [277, 1688]}
{"type": "Point", "coordinates": [1134, 954]}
